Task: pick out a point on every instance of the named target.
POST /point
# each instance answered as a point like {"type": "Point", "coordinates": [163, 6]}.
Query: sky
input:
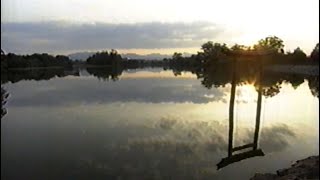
{"type": "Point", "coordinates": [144, 26]}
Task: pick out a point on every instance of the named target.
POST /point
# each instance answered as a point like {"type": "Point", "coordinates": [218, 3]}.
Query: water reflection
{"type": "Point", "coordinates": [152, 125]}
{"type": "Point", "coordinates": [232, 158]}
{"type": "Point", "coordinates": [4, 97]}
{"type": "Point", "coordinates": [216, 76]}
{"type": "Point", "coordinates": [15, 76]}
{"type": "Point", "coordinates": [314, 85]}
{"type": "Point", "coordinates": [112, 73]}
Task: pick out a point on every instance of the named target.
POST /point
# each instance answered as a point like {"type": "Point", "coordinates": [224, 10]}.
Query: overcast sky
{"type": "Point", "coordinates": [143, 26]}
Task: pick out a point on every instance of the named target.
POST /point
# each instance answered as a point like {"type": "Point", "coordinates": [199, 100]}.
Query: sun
{"type": "Point", "coordinates": [246, 93]}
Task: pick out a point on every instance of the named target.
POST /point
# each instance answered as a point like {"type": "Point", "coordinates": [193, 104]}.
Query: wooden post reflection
{"type": "Point", "coordinates": [254, 151]}
{"type": "Point", "coordinates": [258, 113]}
{"type": "Point", "coordinates": [231, 107]}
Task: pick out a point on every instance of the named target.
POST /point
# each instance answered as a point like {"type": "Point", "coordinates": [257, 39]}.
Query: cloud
{"type": "Point", "coordinates": [273, 138]}
{"type": "Point", "coordinates": [276, 138]}
{"type": "Point", "coordinates": [58, 36]}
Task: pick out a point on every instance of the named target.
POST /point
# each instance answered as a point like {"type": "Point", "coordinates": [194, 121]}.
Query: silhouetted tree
{"type": "Point", "coordinates": [214, 51]}
{"type": "Point", "coordinates": [271, 43]}
{"type": "Point", "coordinates": [296, 56]}
{"type": "Point", "coordinates": [299, 54]}
{"type": "Point", "coordinates": [105, 59]}
{"type": "Point", "coordinates": [32, 61]}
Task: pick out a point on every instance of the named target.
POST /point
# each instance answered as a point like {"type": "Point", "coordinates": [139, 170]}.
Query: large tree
{"type": "Point", "coordinates": [270, 43]}
{"type": "Point", "coordinates": [105, 58]}
{"type": "Point", "coordinates": [214, 51]}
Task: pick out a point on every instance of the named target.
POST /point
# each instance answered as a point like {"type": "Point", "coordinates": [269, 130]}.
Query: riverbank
{"type": "Point", "coordinates": [302, 169]}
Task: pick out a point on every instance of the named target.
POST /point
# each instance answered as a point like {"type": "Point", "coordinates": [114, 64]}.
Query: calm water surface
{"type": "Point", "coordinates": [149, 124]}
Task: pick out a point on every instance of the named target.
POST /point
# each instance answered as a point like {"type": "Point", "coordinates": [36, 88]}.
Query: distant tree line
{"type": "Point", "coordinates": [114, 59]}
{"type": "Point", "coordinates": [11, 61]}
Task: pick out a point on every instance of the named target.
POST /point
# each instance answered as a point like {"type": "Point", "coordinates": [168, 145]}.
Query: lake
{"type": "Point", "coordinates": [151, 124]}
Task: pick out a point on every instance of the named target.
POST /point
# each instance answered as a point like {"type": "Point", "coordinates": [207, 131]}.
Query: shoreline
{"type": "Point", "coordinates": [307, 168]}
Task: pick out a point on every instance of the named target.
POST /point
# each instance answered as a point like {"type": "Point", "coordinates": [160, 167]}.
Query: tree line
{"type": "Point", "coordinates": [114, 59]}
{"type": "Point", "coordinates": [215, 64]}
{"type": "Point", "coordinates": [269, 50]}
{"type": "Point", "coordinates": [13, 61]}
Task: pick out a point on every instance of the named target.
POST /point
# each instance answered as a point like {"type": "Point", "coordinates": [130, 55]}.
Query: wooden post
{"type": "Point", "coordinates": [258, 112]}
{"type": "Point", "coordinates": [231, 107]}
